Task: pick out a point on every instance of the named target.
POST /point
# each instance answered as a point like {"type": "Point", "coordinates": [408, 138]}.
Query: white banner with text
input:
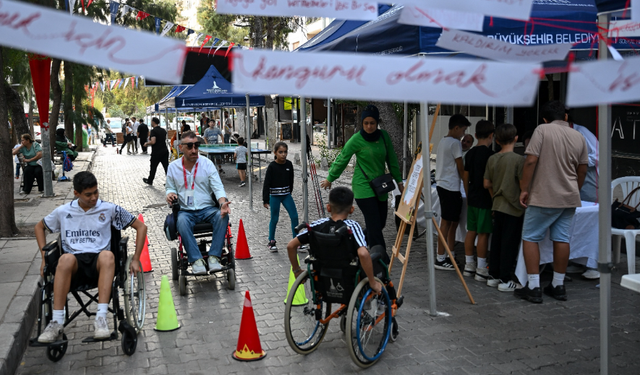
{"type": "Point", "coordinates": [390, 78]}
{"type": "Point", "coordinates": [600, 82]}
{"type": "Point", "coordinates": [57, 34]}
{"type": "Point", "coordinates": [516, 9]}
{"type": "Point", "coordinates": [340, 9]}
{"type": "Point", "coordinates": [478, 45]}
{"type": "Point", "coordinates": [441, 18]}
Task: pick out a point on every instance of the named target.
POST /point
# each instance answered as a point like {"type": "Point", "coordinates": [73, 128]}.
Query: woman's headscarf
{"type": "Point", "coordinates": [60, 135]}
{"type": "Point", "coordinates": [370, 111]}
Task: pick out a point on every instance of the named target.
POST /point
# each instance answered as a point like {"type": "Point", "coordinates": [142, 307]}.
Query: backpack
{"type": "Point", "coordinates": [67, 165]}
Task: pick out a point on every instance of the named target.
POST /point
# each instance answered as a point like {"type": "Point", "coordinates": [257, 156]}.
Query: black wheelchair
{"type": "Point", "coordinates": [202, 233]}
{"type": "Point", "coordinates": [131, 318]}
{"type": "Point", "coordinates": [333, 276]}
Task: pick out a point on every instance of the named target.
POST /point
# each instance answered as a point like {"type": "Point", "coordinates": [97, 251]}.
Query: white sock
{"type": "Point", "coordinates": [103, 308]}
{"type": "Point", "coordinates": [441, 258]}
{"type": "Point", "coordinates": [469, 259]}
{"type": "Point", "coordinates": [482, 262]}
{"type": "Point", "coordinates": [534, 281]}
{"type": "Point", "coordinates": [558, 279]}
{"type": "Point", "coordinates": [58, 316]}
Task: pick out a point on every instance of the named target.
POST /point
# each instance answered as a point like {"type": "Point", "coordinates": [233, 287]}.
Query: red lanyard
{"type": "Point", "coordinates": [184, 172]}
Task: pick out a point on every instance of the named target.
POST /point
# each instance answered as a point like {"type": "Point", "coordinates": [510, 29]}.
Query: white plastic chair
{"type": "Point", "coordinates": [627, 184]}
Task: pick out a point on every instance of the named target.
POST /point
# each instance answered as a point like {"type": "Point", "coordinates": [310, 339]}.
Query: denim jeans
{"type": "Point", "coordinates": [289, 205]}
{"type": "Point", "coordinates": [188, 219]}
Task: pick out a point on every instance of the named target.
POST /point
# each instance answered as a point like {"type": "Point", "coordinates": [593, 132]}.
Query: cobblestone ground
{"type": "Point", "coordinates": [499, 335]}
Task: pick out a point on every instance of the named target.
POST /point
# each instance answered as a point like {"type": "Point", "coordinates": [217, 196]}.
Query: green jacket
{"type": "Point", "coordinates": [371, 157]}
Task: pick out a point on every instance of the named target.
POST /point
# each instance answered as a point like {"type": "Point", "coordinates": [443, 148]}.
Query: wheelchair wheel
{"type": "Point", "coordinates": [303, 330]}
{"type": "Point", "coordinates": [56, 352]}
{"type": "Point", "coordinates": [46, 310]}
{"type": "Point", "coordinates": [368, 324]}
{"type": "Point", "coordinates": [129, 342]}
{"type": "Point", "coordinates": [182, 284]}
{"type": "Point", "coordinates": [231, 279]}
{"type": "Point", "coordinates": [174, 264]}
{"type": "Point", "coordinates": [394, 330]}
{"type": "Point", "coordinates": [343, 323]}
{"type": "Point", "coordinates": [135, 298]}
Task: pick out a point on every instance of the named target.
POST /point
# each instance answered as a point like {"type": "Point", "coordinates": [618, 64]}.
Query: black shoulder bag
{"type": "Point", "coordinates": [623, 215]}
{"type": "Point", "coordinates": [383, 184]}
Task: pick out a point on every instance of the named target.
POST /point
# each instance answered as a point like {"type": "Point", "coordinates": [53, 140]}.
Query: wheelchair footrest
{"type": "Point", "coordinates": [399, 301]}
{"type": "Point", "coordinates": [114, 336]}
{"type": "Point", "coordinates": [34, 343]}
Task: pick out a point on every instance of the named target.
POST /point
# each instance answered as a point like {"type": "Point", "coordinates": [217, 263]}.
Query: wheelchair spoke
{"type": "Point", "coordinates": [303, 326]}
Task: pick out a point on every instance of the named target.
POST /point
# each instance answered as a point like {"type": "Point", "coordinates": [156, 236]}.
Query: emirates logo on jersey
{"type": "Point", "coordinates": [102, 218]}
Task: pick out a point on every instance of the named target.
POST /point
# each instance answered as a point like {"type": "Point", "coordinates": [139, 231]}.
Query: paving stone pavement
{"type": "Point", "coordinates": [499, 335]}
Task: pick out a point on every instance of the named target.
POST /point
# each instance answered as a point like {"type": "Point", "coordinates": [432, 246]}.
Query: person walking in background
{"type": "Point", "coordinates": [108, 135]}
{"type": "Point", "coordinates": [212, 136]}
{"type": "Point", "coordinates": [204, 121]}
{"type": "Point", "coordinates": [277, 189]}
{"type": "Point", "coordinates": [134, 134]}
{"type": "Point", "coordinates": [143, 134]}
{"type": "Point", "coordinates": [17, 160]}
{"type": "Point", "coordinates": [226, 123]}
{"type": "Point", "coordinates": [502, 178]}
{"type": "Point", "coordinates": [31, 153]}
{"type": "Point", "coordinates": [479, 218]}
{"type": "Point", "coordinates": [449, 172]}
{"type": "Point", "coordinates": [241, 161]}
{"type": "Point", "coordinates": [128, 129]}
{"type": "Point", "coordinates": [552, 177]}
{"type": "Point", "coordinates": [159, 154]}
{"type": "Point", "coordinates": [374, 152]}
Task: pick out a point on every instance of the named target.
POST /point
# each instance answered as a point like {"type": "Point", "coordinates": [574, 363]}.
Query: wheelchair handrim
{"type": "Point", "coordinates": [387, 317]}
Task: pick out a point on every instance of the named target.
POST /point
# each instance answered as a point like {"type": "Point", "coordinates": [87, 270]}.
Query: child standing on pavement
{"type": "Point", "coordinates": [277, 189]}
{"type": "Point", "coordinates": [502, 178]}
{"type": "Point", "coordinates": [479, 219]}
{"type": "Point", "coordinates": [241, 161]}
{"type": "Point", "coordinates": [17, 161]}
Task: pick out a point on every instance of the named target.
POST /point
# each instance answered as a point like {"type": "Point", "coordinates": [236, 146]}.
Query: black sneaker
{"type": "Point", "coordinates": [272, 246]}
{"type": "Point", "coordinates": [532, 295]}
{"type": "Point", "coordinates": [558, 292]}
{"type": "Point", "coordinates": [445, 265]}
{"type": "Point", "coordinates": [146, 181]}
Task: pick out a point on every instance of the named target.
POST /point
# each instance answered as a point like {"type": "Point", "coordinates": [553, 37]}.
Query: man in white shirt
{"type": "Point", "coordinates": [134, 135]}
{"type": "Point", "coordinates": [588, 192]}
{"type": "Point", "coordinates": [191, 180]}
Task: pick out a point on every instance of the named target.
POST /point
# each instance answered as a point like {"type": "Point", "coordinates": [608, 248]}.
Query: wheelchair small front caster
{"type": "Point", "coordinates": [231, 279]}
{"type": "Point", "coordinates": [182, 284]}
{"type": "Point", "coordinates": [394, 330]}
{"type": "Point", "coordinates": [343, 323]}
{"type": "Point", "coordinates": [55, 352]}
{"type": "Point", "coordinates": [129, 342]}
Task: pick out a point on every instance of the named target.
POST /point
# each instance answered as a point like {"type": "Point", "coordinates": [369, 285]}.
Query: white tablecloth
{"type": "Point", "coordinates": [583, 242]}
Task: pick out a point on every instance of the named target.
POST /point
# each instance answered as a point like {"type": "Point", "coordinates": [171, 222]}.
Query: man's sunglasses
{"type": "Point", "coordinates": [191, 145]}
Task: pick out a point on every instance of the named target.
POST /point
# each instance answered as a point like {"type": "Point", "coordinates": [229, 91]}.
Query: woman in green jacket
{"type": "Point", "coordinates": [374, 151]}
{"type": "Point", "coordinates": [63, 144]}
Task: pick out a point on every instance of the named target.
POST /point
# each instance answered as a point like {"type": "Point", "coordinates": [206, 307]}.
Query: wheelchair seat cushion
{"type": "Point", "coordinates": [202, 228]}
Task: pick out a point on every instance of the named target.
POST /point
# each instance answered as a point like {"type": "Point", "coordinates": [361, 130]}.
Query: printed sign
{"type": "Point", "coordinates": [441, 18]}
{"type": "Point", "coordinates": [78, 39]}
{"type": "Point", "coordinates": [625, 129]}
{"type": "Point", "coordinates": [598, 82]}
{"type": "Point", "coordinates": [516, 9]}
{"type": "Point", "coordinates": [341, 9]}
{"type": "Point", "coordinates": [624, 28]}
{"type": "Point", "coordinates": [482, 46]}
{"type": "Point", "coordinates": [366, 77]}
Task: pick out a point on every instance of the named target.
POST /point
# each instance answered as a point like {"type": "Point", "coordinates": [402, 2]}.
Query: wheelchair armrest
{"type": "Point", "coordinates": [301, 227]}
{"type": "Point", "coordinates": [378, 253]}
{"type": "Point", "coordinates": [53, 245]}
{"type": "Point", "coordinates": [175, 207]}
{"type": "Point", "coordinates": [123, 242]}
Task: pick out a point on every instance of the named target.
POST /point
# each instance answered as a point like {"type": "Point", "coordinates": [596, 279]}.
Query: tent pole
{"type": "Point", "coordinates": [604, 213]}
{"type": "Point", "coordinates": [328, 122]}
{"type": "Point", "coordinates": [250, 160]}
{"type": "Point", "coordinates": [303, 157]}
{"type": "Point", "coordinates": [428, 207]}
{"type": "Point", "coordinates": [404, 140]}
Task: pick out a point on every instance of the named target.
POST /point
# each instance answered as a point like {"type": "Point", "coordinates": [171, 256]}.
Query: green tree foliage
{"type": "Point", "coordinates": [220, 25]}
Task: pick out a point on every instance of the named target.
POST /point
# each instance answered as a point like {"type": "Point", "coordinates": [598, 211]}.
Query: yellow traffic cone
{"type": "Point", "coordinates": [300, 298]}
{"type": "Point", "coordinates": [167, 317]}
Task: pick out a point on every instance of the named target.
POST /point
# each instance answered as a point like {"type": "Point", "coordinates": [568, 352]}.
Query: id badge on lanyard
{"type": "Point", "coordinates": [189, 193]}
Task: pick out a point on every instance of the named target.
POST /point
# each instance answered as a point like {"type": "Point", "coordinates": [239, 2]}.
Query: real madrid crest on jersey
{"type": "Point", "coordinates": [102, 218]}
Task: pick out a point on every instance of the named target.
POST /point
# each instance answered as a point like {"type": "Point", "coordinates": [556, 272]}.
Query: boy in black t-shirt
{"type": "Point", "coordinates": [340, 206]}
{"type": "Point", "coordinates": [479, 218]}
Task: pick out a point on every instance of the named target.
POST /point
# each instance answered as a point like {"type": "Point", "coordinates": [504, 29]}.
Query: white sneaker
{"type": "Point", "coordinates": [101, 329]}
{"type": "Point", "coordinates": [591, 274]}
{"type": "Point", "coordinates": [214, 263]}
{"type": "Point", "coordinates": [51, 333]}
{"type": "Point", "coordinates": [198, 268]}
{"type": "Point", "coordinates": [482, 274]}
{"type": "Point", "coordinates": [493, 282]}
{"type": "Point", "coordinates": [509, 286]}
{"type": "Point", "coordinates": [469, 269]}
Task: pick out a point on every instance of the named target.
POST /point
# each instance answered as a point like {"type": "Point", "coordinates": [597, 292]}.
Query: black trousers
{"type": "Point", "coordinates": [155, 160]}
{"type": "Point", "coordinates": [134, 139]}
{"type": "Point", "coordinates": [505, 244]}
{"type": "Point", "coordinates": [127, 139]}
{"type": "Point", "coordinates": [143, 140]}
{"type": "Point", "coordinates": [109, 138]}
{"type": "Point", "coordinates": [375, 218]}
{"type": "Point", "coordinates": [31, 172]}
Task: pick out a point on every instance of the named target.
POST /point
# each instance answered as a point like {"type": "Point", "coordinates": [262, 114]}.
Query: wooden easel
{"type": "Point", "coordinates": [406, 211]}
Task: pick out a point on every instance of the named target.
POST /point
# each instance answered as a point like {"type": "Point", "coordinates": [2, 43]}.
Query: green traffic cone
{"type": "Point", "coordinates": [300, 297]}
{"type": "Point", "coordinates": [167, 316]}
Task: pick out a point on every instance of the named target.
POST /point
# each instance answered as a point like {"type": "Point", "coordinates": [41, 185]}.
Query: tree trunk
{"type": "Point", "coordinates": [270, 122]}
{"type": "Point", "coordinates": [7, 209]}
{"type": "Point", "coordinates": [57, 100]}
{"type": "Point", "coordinates": [390, 122]}
{"type": "Point", "coordinates": [68, 99]}
{"type": "Point", "coordinates": [78, 115]}
{"type": "Point", "coordinates": [270, 28]}
{"type": "Point", "coordinates": [14, 103]}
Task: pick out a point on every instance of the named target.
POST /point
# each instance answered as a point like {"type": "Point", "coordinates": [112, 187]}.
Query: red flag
{"type": "Point", "coordinates": [41, 75]}
{"type": "Point", "coordinates": [229, 49]}
{"type": "Point", "coordinates": [82, 1]}
{"type": "Point", "coordinates": [89, 3]}
{"type": "Point", "coordinates": [142, 15]}
{"type": "Point", "coordinates": [206, 40]}
{"type": "Point", "coordinates": [179, 29]}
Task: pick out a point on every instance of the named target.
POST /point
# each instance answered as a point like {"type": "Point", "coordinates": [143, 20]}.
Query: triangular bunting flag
{"type": "Point", "coordinates": [142, 15]}
{"type": "Point", "coordinates": [229, 49]}
{"type": "Point", "coordinates": [82, 2]}
{"type": "Point", "coordinates": [126, 10]}
{"type": "Point", "coordinates": [167, 27]}
{"type": "Point", "coordinates": [189, 32]}
{"type": "Point", "coordinates": [121, 82]}
{"type": "Point", "coordinates": [157, 23]}
{"type": "Point", "coordinates": [132, 81]}
{"type": "Point", "coordinates": [102, 86]}
{"type": "Point", "coordinates": [179, 29]}
{"type": "Point", "coordinates": [136, 82]}
{"type": "Point", "coordinates": [206, 40]}
{"type": "Point", "coordinates": [113, 84]}
{"type": "Point", "coordinates": [126, 81]}
{"type": "Point", "coordinates": [72, 4]}
{"type": "Point", "coordinates": [224, 43]}
{"type": "Point", "coordinates": [213, 44]}
{"type": "Point", "coordinates": [198, 36]}
{"type": "Point", "coordinates": [113, 8]}
{"type": "Point", "coordinates": [89, 3]}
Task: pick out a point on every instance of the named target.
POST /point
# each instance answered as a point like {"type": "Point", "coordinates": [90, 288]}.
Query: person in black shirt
{"type": "Point", "coordinates": [479, 203]}
{"type": "Point", "coordinates": [143, 134]}
{"type": "Point", "coordinates": [159, 153]}
{"type": "Point", "coordinates": [277, 189]}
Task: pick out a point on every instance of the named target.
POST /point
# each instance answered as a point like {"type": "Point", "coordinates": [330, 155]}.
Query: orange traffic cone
{"type": "Point", "coordinates": [249, 348]}
{"type": "Point", "coordinates": [144, 257]}
{"type": "Point", "coordinates": [242, 247]}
